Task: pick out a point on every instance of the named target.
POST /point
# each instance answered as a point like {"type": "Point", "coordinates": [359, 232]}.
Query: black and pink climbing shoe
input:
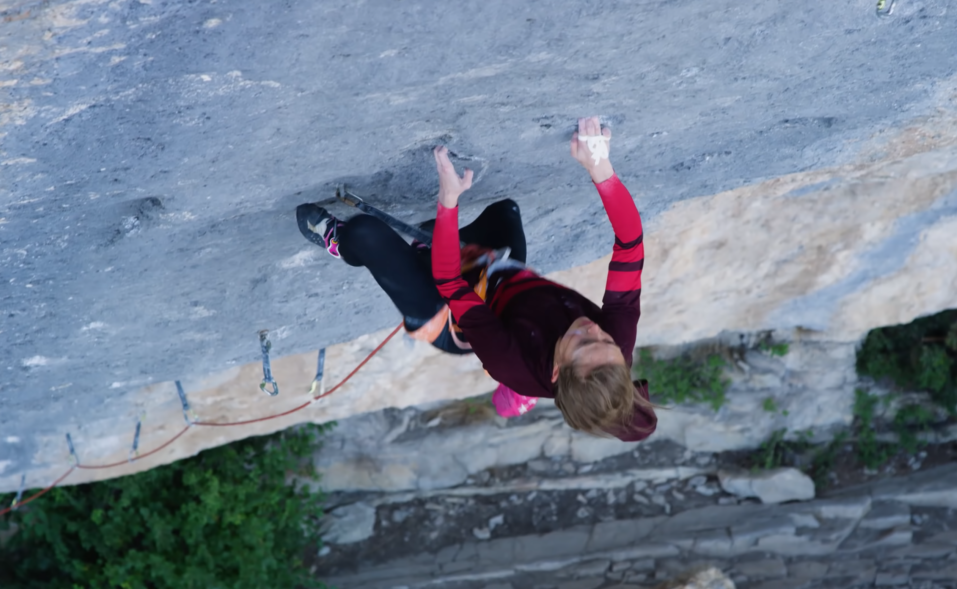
{"type": "Point", "coordinates": [319, 227]}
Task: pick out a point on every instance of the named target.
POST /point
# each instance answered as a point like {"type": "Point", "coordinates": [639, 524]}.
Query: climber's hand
{"type": "Point", "coordinates": [451, 186]}
{"type": "Point", "coordinates": [582, 152]}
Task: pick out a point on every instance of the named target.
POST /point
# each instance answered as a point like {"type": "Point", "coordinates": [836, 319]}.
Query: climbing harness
{"type": "Point", "coordinates": [265, 345]}
{"type": "Point", "coordinates": [885, 7]}
{"type": "Point", "coordinates": [597, 145]}
{"type": "Point", "coordinates": [472, 257]}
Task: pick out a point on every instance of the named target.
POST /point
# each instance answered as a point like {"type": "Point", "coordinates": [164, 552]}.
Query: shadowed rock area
{"type": "Point", "coordinates": [796, 170]}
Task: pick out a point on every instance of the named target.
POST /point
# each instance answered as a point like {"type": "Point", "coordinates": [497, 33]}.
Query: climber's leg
{"type": "Point", "coordinates": [400, 270]}
{"type": "Point", "coordinates": [499, 225]}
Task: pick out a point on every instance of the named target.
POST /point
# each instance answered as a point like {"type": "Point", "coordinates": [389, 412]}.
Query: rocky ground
{"type": "Point", "coordinates": [558, 523]}
{"type": "Point", "coordinates": [893, 532]}
{"type": "Point", "coordinates": [452, 495]}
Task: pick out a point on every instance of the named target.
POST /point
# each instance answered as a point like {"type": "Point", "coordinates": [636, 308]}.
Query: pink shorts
{"type": "Point", "coordinates": [508, 403]}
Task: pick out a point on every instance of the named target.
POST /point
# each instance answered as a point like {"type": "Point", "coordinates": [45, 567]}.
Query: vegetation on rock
{"type": "Point", "coordinates": [228, 517]}
{"type": "Point", "coordinates": [684, 380]}
{"type": "Point", "coordinates": [921, 357]}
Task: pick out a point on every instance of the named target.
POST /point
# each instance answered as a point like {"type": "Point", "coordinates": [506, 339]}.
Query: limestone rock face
{"type": "Point", "coordinates": [153, 155]}
{"type": "Point", "coordinates": [770, 486]}
{"type": "Point", "coordinates": [349, 523]}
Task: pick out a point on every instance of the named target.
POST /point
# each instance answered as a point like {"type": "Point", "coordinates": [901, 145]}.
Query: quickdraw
{"type": "Point", "coordinates": [69, 442]}
{"type": "Point", "coordinates": [265, 345]}
{"type": "Point", "coordinates": [184, 403]}
{"type": "Point", "coordinates": [134, 451]}
{"type": "Point", "coordinates": [320, 370]}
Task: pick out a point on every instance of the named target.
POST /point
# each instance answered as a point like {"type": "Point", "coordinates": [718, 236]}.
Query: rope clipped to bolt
{"type": "Point", "coordinates": [191, 420]}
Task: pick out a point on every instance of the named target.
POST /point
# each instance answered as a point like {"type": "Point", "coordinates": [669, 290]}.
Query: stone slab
{"type": "Point", "coordinates": [766, 568]}
{"type": "Point", "coordinates": [770, 486]}
{"type": "Point", "coordinates": [931, 488]}
{"type": "Point", "coordinates": [885, 515]}
{"type": "Point", "coordinates": [621, 533]}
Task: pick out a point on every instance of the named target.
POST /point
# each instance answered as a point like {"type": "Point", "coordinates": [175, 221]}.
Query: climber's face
{"type": "Point", "coordinates": [585, 345]}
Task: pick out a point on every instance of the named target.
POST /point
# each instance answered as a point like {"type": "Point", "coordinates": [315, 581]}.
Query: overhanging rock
{"type": "Point", "coordinates": [153, 155]}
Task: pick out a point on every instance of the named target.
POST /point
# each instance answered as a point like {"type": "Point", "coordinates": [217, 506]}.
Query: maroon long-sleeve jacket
{"type": "Point", "coordinates": [515, 331]}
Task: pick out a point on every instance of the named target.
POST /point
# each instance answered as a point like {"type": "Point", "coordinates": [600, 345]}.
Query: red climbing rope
{"type": "Point", "coordinates": [207, 423]}
{"type": "Point", "coordinates": [121, 462]}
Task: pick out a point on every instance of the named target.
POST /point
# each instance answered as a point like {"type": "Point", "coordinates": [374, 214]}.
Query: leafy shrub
{"type": "Point", "coordinates": [224, 518]}
{"type": "Point", "coordinates": [770, 405]}
{"type": "Point", "coordinates": [683, 380]}
{"type": "Point", "coordinates": [778, 350]}
{"type": "Point", "coordinates": [870, 452]}
{"type": "Point", "coordinates": [910, 421]}
{"type": "Point", "coordinates": [823, 461]}
{"type": "Point", "coordinates": [772, 452]}
{"type": "Point", "coordinates": [921, 355]}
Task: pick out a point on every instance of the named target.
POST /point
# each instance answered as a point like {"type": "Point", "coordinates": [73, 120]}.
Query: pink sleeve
{"type": "Point", "coordinates": [447, 263]}
{"type": "Point", "coordinates": [621, 304]}
{"type": "Point", "coordinates": [628, 254]}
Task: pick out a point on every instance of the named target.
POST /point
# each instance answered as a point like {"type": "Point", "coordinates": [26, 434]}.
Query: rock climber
{"type": "Point", "coordinates": [536, 337]}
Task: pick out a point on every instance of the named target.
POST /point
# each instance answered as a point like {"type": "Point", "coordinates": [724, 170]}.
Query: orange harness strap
{"type": "Point", "coordinates": [429, 332]}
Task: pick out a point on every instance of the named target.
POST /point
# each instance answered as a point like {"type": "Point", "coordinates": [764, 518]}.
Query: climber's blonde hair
{"type": "Point", "coordinates": [602, 401]}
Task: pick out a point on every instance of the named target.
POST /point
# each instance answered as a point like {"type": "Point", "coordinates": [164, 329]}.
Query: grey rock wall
{"type": "Point", "coordinates": [152, 154]}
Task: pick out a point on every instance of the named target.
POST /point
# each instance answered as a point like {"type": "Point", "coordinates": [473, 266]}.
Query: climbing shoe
{"type": "Point", "coordinates": [319, 227]}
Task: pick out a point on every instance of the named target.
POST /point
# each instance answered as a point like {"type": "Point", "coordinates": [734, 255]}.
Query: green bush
{"type": "Point", "coordinates": [910, 421]}
{"type": "Point", "coordinates": [921, 355]}
{"type": "Point", "coordinates": [683, 380]}
{"type": "Point", "coordinates": [770, 405]}
{"type": "Point", "coordinates": [224, 518]}
{"type": "Point", "coordinates": [772, 453]}
{"type": "Point", "coordinates": [778, 350]}
{"type": "Point", "coordinates": [871, 453]}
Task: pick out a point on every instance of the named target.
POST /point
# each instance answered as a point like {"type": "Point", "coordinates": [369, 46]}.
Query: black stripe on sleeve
{"type": "Point", "coordinates": [630, 244]}
{"type": "Point", "coordinates": [626, 266]}
{"type": "Point", "coordinates": [623, 297]}
{"type": "Point", "coordinates": [461, 293]}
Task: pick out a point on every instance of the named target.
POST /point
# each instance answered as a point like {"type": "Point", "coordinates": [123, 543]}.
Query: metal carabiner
{"type": "Point", "coordinates": [320, 370]}
{"type": "Point", "coordinates": [265, 345]}
{"type": "Point", "coordinates": [885, 7]}
{"type": "Point", "coordinates": [185, 403]}
{"type": "Point", "coordinates": [69, 441]}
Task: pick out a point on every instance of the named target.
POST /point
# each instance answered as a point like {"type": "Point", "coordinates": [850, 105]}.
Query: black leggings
{"type": "Point", "coordinates": [404, 271]}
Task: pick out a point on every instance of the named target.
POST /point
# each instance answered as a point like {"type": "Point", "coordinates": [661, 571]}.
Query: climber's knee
{"type": "Point", "coordinates": [506, 206]}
